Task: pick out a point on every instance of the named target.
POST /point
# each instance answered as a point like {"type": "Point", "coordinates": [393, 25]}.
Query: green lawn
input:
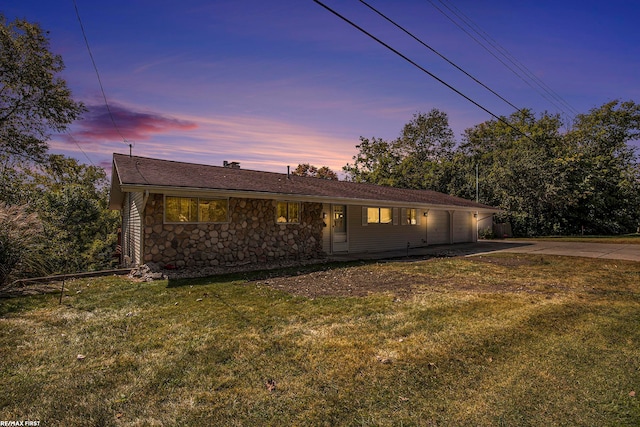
{"type": "Point", "coordinates": [496, 340]}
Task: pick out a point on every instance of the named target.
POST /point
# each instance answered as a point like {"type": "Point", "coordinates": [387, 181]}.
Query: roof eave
{"type": "Point", "coordinates": [197, 191]}
{"type": "Point", "coordinates": [116, 193]}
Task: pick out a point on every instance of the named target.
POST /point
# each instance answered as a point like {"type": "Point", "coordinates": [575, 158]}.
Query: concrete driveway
{"type": "Point", "coordinates": [589, 250]}
{"type": "Point", "coordinates": [581, 249]}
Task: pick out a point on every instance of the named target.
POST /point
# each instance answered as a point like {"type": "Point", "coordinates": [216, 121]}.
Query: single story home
{"type": "Point", "coordinates": [190, 215]}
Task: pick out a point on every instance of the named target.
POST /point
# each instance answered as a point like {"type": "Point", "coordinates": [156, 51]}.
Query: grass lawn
{"type": "Point", "coordinates": [493, 340]}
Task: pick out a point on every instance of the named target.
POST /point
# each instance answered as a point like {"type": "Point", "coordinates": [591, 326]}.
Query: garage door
{"type": "Point", "coordinates": [437, 227]}
{"type": "Point", "coordinates": [462, 227]}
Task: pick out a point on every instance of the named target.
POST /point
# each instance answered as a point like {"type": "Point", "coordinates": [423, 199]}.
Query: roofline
{"type": "Point", "coordinates": [197, 191]}
{"type": "Point", "coordinates": [116, 193]}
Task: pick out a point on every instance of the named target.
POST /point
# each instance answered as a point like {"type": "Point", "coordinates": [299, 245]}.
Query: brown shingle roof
{"type": "Point", "coordinates": [154, 173]}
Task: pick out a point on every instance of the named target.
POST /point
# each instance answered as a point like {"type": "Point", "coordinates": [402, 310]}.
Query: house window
{"type": "Point", "coordinates": [181, 209]}
{"type": "Point", "coordinates": [379, 215]}
{"type": "Point", "coordinates": [412, 216]}
{"type": "Point", "coordinates": [288, 212]}
{"type": "Point", "coordinates": [213, 210]}
{"type": "Point", "coordinates": [194, 209]}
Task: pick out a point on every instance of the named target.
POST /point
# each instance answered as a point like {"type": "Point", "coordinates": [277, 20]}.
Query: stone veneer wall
{"type": "Point", "coordinates": [251, 236]}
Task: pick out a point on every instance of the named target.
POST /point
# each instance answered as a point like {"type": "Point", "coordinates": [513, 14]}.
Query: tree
{"type": "Point", "coordinates": [72, 202]}
{"type": "Point", "coordinates": [603, 172]}
{"type": "Point", "coordinates": [427, 137]}
{"type": "Point", "coordinates": [519, 171]}
{"type": "Point", "coordinates": [33, 100]}
{"type": "Point", "coordinates": [418, 158]}
{"type": "Point", "coordinates": [324, 172]}
{"type": "Point", "coordinates": [375, 163]}
{"type": "Point", "coordinates": [425, 147]}
{"type": "Point", "coordinates": [54, 208]}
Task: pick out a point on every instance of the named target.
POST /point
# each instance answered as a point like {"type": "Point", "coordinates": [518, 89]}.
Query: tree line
{"type": "Point", "coordinates": [549, 177]}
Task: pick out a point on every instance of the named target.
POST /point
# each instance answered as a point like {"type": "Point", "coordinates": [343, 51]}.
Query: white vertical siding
{"type": "Point", "coordinates": [365, 237]}
{"type": "Point", "coordinates": [132, 229]}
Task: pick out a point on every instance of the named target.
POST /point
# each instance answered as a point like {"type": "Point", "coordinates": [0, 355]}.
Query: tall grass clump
{"type": "Point", "coordinates": [21, 250]}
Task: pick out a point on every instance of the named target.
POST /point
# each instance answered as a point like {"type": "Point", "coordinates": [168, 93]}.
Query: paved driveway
{"type": "Point", "coordinates": [589, 250]}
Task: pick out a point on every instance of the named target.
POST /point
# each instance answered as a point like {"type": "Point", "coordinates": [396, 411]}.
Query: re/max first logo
{"type": "Point", "coordinates": [19, 423]}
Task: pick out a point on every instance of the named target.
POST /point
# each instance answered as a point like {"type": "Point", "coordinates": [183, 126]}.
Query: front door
{"type": "Point", "coordinates": [339, 241]}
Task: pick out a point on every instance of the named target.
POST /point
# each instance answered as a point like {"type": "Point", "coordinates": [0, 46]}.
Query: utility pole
{"type": "Point", "coordinates": [477, 192]}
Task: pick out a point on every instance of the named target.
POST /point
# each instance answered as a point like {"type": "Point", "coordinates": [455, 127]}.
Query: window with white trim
{"type": "Point", "coordinates": [195, 209]}
{"type": "Point", "coordinates": [379, 215]}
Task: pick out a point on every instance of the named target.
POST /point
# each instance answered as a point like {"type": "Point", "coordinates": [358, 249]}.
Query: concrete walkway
{"type": "Point", "coordinates": [588, 250]}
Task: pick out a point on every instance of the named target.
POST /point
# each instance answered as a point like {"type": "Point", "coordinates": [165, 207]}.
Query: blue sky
{"type": "Point", "coordinates": [271, 84]}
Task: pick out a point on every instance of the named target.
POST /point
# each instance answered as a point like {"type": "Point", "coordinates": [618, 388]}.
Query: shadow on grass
{"type": "Point", "coordinates": [254, 275]}
{"type": "Point", "coordinates": [351, 260]}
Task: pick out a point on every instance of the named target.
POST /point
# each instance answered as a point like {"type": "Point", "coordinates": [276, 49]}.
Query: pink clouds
{"type": "Point", "coordinates": [97, 125]}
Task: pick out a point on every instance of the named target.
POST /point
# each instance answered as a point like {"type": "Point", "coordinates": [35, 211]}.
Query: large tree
{"type": "Point", "coordinates": [72, 202]}
{"type": "Point", "coordinates": [517, 167]}
{"type": "Point", "coordinates": [56, 208]}
{"type": "Point", "coordinates": [418, 158]}
{"type": "Point", "coordinates": [34, 100]}
{"type": "Point", "coordinates": [603, 172]}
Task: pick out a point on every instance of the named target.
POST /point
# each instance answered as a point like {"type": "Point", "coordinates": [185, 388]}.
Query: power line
{"type": "Point", "coordinates": [78, 145]}
{"type": "Point", "coordinates": [506, 54]}
{"type": "Point", "coordinates": [513, 59]}
{"type": "Point", "coordinates": [95, 67]}
{"type": "Point", "coordinates": [437, 53]}
{"type": "Point", "coordinates": [528, 78]}
{"type": "Point", "coordinates": [412, 62]}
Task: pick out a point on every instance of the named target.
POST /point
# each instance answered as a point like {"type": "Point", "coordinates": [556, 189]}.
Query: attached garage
{"type": "Point", "coordinates": [463, 229]}
{"type": "Point", "coordinates": [438, 230]}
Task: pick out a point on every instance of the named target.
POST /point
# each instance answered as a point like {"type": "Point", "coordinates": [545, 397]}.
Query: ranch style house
{"type": "Point", "coordinates": [180, 214]}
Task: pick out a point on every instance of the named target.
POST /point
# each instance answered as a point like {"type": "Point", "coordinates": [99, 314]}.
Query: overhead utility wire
{"type": "Point", "coordinates": [409, 60]}
{"type": "Point", "coordinates": [510, 58]}
{"type": "Point", "coordinates": [504, 52]}
{"type": "Point", "coordinates": [508, 55]}
{"type": "Point", "coordinates": [528, 83]}
{"type": "Point", "coordinates": [78, 145]}
{"type": "Point", "coordinates": [95, 67]}
{"type": "Point", "coordinates": [437, 53]}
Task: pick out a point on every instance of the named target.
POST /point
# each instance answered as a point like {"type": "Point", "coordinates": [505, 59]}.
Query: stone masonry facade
{"type": "Point", "coordinates": [251, 236]}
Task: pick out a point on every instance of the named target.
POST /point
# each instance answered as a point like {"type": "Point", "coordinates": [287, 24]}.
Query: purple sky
{"type": "Point", "coordinates": [277, 83]}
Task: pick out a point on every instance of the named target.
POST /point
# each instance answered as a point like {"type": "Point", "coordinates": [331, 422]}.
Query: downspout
{"type": "Point", "coordinates": [144, 201]}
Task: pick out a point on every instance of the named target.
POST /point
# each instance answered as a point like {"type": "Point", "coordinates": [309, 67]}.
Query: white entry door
{"type": "Point", "coordinates": [339, 241]}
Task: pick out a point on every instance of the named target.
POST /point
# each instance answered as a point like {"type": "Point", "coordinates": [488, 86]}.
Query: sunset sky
{"type": "Point", "coordinates": [283, 82]}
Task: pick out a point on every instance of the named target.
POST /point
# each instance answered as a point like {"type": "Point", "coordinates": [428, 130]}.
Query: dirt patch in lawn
{"type": "Point", "coordinates": [349, 281]}
{"type": "Point", "coordinates": [370, 279]}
